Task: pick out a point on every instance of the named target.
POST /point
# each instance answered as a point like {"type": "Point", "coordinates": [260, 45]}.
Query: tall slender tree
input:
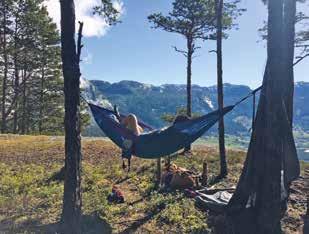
{"type": "Point", "coordinates": [223, 164]}
{"type": "Point", "coordinates": [72, 201]}
{"type": "Point", "coordinates": [70, 54]}
{"type": "Point", "coordinates": [5, 15]}
{"type": "Point", "coordinates": [195, 20]}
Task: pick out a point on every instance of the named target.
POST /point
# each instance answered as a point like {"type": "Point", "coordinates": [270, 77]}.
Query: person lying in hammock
{"type": "Point", "coordinates": [131, 123]}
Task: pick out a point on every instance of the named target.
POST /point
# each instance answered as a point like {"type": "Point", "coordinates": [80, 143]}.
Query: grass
{"type": "Point", "coordinates": [31, 202]}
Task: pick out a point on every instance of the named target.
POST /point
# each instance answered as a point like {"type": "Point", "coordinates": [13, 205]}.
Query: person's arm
{"type": "Point", "coordinates": [140, 129]}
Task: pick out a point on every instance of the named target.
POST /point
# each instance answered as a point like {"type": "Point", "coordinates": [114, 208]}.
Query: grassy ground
{"type": "Point", "coordinates": [31, 200]}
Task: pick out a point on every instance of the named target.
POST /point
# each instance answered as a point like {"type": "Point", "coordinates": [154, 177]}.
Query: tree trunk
{"type": "Point", "coordinates": [5, 73]}
{"type": "Point", "coordinates": [16, 91]}
{"type": "Point", "coordinates": [189, 74]}
{"type": "Point", "coordinates": [41, 103]}
{"type": "Point", "coordinates": [16, 79]}
{"type": "Point", "coordinates": [205, 174]}
{"type": "Point", "coordinates": [24, 104]}
{"type": "Point", "coordinates": [72, 202]}
{"type": "Point", "coordinates": [223, 165]}
{"type": "Point", "coordinates": [288, 53]}
{"type": "Point", "coordinates": [267, 173]}
{"type": "Point", "coordinates": [288, 46]}
{"type": "Point", "coordinates": [189, 81]}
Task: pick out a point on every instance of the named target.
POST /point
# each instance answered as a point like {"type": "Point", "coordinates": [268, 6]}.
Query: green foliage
{"type": "Point", "coordinates": [34, 100]}
{"type": "Point", "coordinates": [108, 11]}
{"type": "Point", "coordinates": [302, 34]}
{"type": "Point", "coordinates": [196, 19]}
{"type": "Point", "coordinates": [184, 216]}
{"type": "Point", "coordinates": [189, 18]}
{"type": "Point", "coordinates": [169, 118]}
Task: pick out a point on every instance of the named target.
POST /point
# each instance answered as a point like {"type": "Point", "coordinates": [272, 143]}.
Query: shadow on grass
{"type": "Point", "coordinates": [216, 179]}
{"type": "Point", "coordinates": [142, 170]}
{"type": "Point", "coordinates": [137, 223]}
{"type": "Point", "coordinates": [13, 225]}
{"type": "Point", "coordinates": [240, 223]}
{"type": "Point", "coordinates": [94, 224]}
{"type": "Point", "coordinates": [133, 225]}
{"type": "Point", "coordinates": [91, 224]}
{"type": "Point", "coordinates": [58, 176]}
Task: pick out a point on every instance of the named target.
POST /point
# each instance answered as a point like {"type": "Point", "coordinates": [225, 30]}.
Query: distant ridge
{"type": "Point", "coordinates": [150, 102]}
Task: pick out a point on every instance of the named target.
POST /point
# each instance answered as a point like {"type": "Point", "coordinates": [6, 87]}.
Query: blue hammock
{"type": "Point", "coordinates": [156, 143]}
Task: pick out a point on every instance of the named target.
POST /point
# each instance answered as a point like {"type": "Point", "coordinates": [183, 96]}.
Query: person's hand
{"type": "Point", "coordinates": [116, 112]}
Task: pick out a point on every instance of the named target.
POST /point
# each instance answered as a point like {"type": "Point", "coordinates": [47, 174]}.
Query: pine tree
{"type": "Point", "coordinates": [5, 31]}
{"type": "Point", "coordinates": [223, 164]}
{"type": "Point", "coordinates": [31, 89]}
{"type": "Point", "coordinates": [196, 20]}
{"type": "Point", "coordinates": [70, 55]}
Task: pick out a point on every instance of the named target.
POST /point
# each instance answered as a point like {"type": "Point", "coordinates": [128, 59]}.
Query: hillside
{"type": "Point", "coordinates": [31, 194]}
{"type": "Point", "coordinates": [150, 102]}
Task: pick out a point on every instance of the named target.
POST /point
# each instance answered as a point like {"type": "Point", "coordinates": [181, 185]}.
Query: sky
{"type": "Point", "coordinates": [132, 50]}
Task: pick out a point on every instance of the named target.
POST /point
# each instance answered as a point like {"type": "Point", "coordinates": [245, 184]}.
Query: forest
{"type": "Point", "coordinates": [92, 156]}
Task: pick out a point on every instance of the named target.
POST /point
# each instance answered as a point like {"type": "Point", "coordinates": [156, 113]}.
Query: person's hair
{"type": "Point", "coordinates": [132, 124]}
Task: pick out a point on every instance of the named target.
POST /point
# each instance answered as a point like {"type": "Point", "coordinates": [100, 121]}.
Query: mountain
{"type": "Point", "coordinates": [301, 107]}
{"type": "Point", "coordinates": [150, 102]}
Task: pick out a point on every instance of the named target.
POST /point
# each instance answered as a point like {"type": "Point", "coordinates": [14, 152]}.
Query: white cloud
{"type": "Point", "coordinates": [87, 58]}
{"type": "Point", "coordinates": [94, 25]}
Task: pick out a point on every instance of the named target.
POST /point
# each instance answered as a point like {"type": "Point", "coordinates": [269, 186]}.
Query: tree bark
{"type": "Point", "coordinates": [189, 75]}
{"type": "Point", "coordinates": [24, 103]}
{"type": "Point", "coordinates": [41, 103]}
{"type": "Point", "coordinates": [289, 11]}
{"type": "Point", "coordinates": [204, 174]}
{"type": "Point", "coordinates": [267, 173]}
{"type": "Point", "coordinates": [288, 53]}
{"type": "Point", "coordinates": [72, 201]}
{"type": "Point", "coordinates": [5, 73]}
{"type": "Point", "coordinates": [223, 164]}
{"type": "Point", "coordinates": [189, 81]}
{"type": "Point", "coordinates": [16, 83]}
{"type": "Point", "coordinates": [16, 75]}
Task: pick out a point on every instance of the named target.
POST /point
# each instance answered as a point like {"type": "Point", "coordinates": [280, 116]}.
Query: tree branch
{"type": "Point", "coordinates": [300, 58]}
{"type": "Point", "coordinates": [14, 99]}
{"type": "Point", "coordinates": [195, 48]}
{"type": "Point", "coordinates": [79, 40]}
{"type": "Point", "coordinates": [185, 53]}
{"type": "Point", "coordinates": [212, 51]}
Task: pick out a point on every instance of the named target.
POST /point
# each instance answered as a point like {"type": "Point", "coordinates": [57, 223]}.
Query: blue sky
{"type": "Point", "coordinates": [133, 50]}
